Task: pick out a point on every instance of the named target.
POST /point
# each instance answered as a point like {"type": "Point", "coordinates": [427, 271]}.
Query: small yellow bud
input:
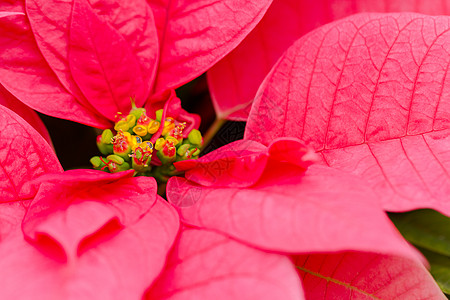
{"type": "Point", "coordinates": [121, 125]}
{"type": "Point", "coordinates": [140, 130]}
{"type": "Point", "coordinates": [115, 158]}
{"type": "Point", "coordinates": [131, 120]}
{"type": "Point", "coordinates": [172, 139]}
{"type": "Point", "coordinates": [153, 127]}
{"type": "Point", "coordinates": [169, 124]}
{"type": "Point", "coordinates": [159, 144]}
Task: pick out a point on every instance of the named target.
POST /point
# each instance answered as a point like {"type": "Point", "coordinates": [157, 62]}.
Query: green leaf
{"type": "Point", "coordinates": [440, 268]}
{"type": "Point", "coordinates": [429, 231]}
{"type": "Point", "coordinates": [425, 228]}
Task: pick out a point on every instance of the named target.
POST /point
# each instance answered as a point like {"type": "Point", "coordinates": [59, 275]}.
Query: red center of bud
{"type": "Point", "coordinates": [169, 148]}
{"type": "Point", "coordinates": [120, 142]}
{"type": "Point", "coordinates": [109, 164]}
{"type": "Point", "coordinates": [143, 120]}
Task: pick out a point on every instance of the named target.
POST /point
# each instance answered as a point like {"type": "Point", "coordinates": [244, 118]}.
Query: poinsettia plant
{"type": "Point", "coordinates": [85, 232]}
{"type": "Point", "coordinates": [350, 122]}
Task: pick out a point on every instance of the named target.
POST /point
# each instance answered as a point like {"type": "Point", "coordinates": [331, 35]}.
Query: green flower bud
{"type": "Point", "coordinates": [136, 111]}
{"type": "Point", "coordinates": [98, 163]}
{"type": "Point", "coordinates": [104, 148]}
{"type": "Point", "coordinates": [107, 136]}
{"type": "Point", "coordinates": [195, 138]}
{"type": "Point", "coordinates": [187, 152]}
{"type": "Point", "coordinates": [182, 149]}
{"type": "Point", "coordinates": [117, 163]}
{"type": "Point", "coordinates": [159, 114]}
{"type": "Point", "coordinates": [168, 153]}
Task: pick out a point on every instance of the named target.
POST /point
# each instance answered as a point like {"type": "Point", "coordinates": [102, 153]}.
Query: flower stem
{"type": "Point", "coordinates": [212, 131]}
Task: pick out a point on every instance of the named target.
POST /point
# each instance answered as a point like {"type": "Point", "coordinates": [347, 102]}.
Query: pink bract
{"type": "Point", "coordinates": [87, 233]}
{"type": "Point", "coordinates": [24, 155]}
{"type": "Point", "coordinates": [290, 208]}
{"type": "Point", "coordinates": [369, 96]}
{"type": "Point", "coordinates": [83, 60]}
{"type": "Point", "coordinates": [351, 275]}
{"type": "Point", "coordinates": [241, 163]}
{"type": "Point", "coordinates": [77, 226]}
{"type": "Point", "coordinates": [29, 115]}
{"type": "Point", "coordinates": [286, 207]}
{"type": "Point", "coordinates": [234, 80]}
{"type": "Point", "coordinates": [229, 269]}
{"type": "Point", "coordinates": [76, 232]}
{"type": "Point", "coordinates": [6, 99]}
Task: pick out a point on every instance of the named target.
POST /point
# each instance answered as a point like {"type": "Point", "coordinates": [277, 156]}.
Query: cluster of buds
{"type": "Point", "coordinates": [137, 142]}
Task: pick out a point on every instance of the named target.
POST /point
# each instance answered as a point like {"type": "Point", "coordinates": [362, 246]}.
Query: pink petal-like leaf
{"type": "Point", "coordinates": [351, 275]}
{"type": "Point", "coordinates": [369, 94]}
{"type": "Point", "coordinates": [207, 265]}
{"type": "Point", "coordinates": [118, 266]}
{"type": "Point", "coordinates": [50, 25]}
{"type": "Point", "coordinates": [29, 115]}
{"type": "Point", "coordinates": [196, 34]}
{"type": "Point", "coordinates": [290, 210]}
{"type": "Point", "coordinates": [234, 80]}
{"type": "Point", "coordinates": [65, 201]}
{"type": "Point", "coordinates": [237, 164]}
{"type": "Point", "coordinates": [241, 163]}
{"type": "Point", "coordinates": [24, 155]}
{"type": "Point", "coordinates": [103, 64]}
{"type": "Point", "coordinates": [31, 80]}
{"type": "Point", "coordinates": [132, 21]}
{"type": "Point", "coordinates": [135, 22]}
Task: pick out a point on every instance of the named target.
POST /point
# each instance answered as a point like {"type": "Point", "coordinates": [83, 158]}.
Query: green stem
{"type": "Point", "coordinates": [212, 131]}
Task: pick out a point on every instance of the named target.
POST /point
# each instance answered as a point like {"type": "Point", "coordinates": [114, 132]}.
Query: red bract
{"type": "Point", "coordinates": [286, 209]}
{"type": "Point", "coordinates": [229, 270]}
{"type": "Point", "coordinates": [235, 79]}
{"type": "Point", "coordinates": [78, 226]}
{"type": "Point", "coordinates": [241, 164]}
{"type": "Point", "coordinates": [29, 115]}
{"type": "Point", "coordinates": [24, 155]}
{"type": "Point", "coordinates": [6, 99]}
{"type": "Point", "coordinates": [87, 233]}
{"type": "Point", "coordinates": [364, 276]}
{"type": "Point", "coordinates": [369, 95]}
{"type": "Point", "coordinates": [83, 60]}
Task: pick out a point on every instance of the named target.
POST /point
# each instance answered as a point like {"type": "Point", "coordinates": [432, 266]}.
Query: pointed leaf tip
{"type": "Point", "coordinates": [100, 61]}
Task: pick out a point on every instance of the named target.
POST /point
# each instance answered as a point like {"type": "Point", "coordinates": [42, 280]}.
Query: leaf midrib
{"type": "Point", "coordinates": [338, 282]}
